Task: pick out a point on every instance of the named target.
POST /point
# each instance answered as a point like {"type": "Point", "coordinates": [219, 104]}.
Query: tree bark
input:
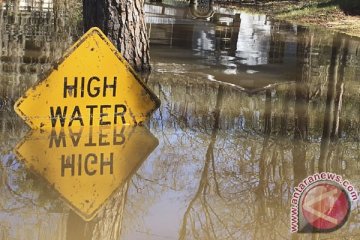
{"type": "Point", "coordinates": [123, 21]}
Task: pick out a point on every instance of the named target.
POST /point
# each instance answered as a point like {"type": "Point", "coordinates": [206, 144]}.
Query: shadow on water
{"type": "Point", "coordinates": [249, 108]}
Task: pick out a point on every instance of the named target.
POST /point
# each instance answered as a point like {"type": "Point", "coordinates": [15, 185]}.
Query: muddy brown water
{"type": "Point", "coordinates": [250, 107]}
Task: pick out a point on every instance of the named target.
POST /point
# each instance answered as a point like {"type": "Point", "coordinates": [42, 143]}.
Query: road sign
{"type": "Point", "coordinates": [92, 85]}
{"type": "Point", "coordinates": [86, 165]}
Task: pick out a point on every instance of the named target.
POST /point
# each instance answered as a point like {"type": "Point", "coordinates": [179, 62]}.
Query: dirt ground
{"type": "Point", "coordinates": [321, 13]}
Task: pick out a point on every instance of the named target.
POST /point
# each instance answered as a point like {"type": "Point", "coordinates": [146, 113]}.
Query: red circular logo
{"type": "Point", "coordinates": [325, 206]}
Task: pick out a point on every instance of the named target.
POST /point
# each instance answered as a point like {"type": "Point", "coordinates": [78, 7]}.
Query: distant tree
{"type": "Point", "coordinates": [350, 6]}
{"type": "Point", "coordinates": [123, 21]}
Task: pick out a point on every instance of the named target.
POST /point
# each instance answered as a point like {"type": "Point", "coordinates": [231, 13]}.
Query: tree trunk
{"type": "Point", "coordinates": [340, 88]}
{"type": "Point", "coordinates": [329, 116]}
{"type": "Point", "coordinates": [123, 21]}
{"type": "Point", "coordinates": [302, 89]}
{"type": "Point", "coordinates": [204, 179]}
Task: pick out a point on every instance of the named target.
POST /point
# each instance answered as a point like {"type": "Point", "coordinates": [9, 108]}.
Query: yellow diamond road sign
{"type": "Point", "coordinates": [86, 165]}
{"type": "Point", "coordinates": [92, 85]}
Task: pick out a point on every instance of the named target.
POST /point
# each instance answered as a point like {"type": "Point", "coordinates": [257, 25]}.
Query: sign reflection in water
{"type": "Point", "coordinates": [86, 165]}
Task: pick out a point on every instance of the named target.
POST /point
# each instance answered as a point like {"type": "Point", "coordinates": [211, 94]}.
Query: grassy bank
{"type": "Point", "coordinates": [326, 13]}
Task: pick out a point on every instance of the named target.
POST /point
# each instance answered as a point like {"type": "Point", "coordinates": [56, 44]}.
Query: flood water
{"type": "Point", "coordinates": [249, 108]}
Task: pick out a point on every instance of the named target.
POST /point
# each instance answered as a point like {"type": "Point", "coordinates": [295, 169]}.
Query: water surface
{"type": "Point", "coordinates": [250, 107]}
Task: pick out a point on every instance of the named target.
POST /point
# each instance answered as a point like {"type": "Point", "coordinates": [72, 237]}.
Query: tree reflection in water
{"type": "Point", "coordinates": [228, 156]}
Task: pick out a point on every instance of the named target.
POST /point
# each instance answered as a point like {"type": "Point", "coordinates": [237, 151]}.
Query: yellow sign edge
{"type": "Point", "coordinates": [85, 217]}
{"type": "Point", "coordinates": [91, 31]}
